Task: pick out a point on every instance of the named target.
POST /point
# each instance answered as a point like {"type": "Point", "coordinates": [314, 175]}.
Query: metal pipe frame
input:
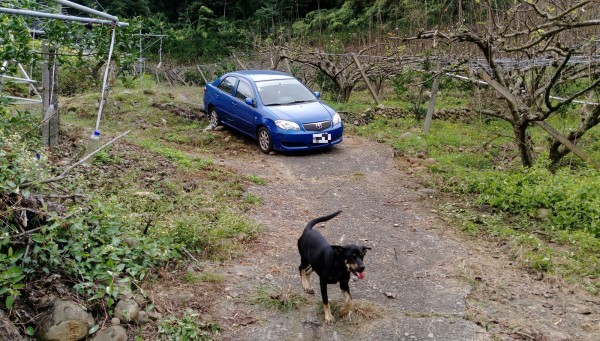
{"type": "Point", "coordinates": [60, 17]}
{"type": "Point", "coordinates": [87, 10]}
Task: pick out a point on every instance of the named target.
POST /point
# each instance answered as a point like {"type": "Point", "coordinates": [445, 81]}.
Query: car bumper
{"type": "Point", "coordinates": [286, 140]}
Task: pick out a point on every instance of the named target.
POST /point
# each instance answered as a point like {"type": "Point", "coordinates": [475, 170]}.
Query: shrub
{"type": "Point", "coordinates": [94, 244]}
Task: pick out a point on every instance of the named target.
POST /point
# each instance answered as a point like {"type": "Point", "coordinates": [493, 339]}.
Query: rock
{"type": "Point", "coordinates": [420, 169]}
{"type": "Point", "coordinates": [67, 321]}
{"type": "Point", "coordinates": [112, 333]}
{"type": "Point", "coordinates": [154, 315]}
{"type": "Point", "coordinates": [429, 161]}
{"type": "Point", "coordinates": [140, 299]}
{"type": "Point", "coordinates": [428, 191]}
{"type": "Point", "coordinates": [485, 208]}
{"type": "Point", "coordinates": [115, 321]}
{"type": "Point", "coordinates": [406, 135]}
{"type": "Point", "coordinates": [380, 106]}
{"type": "Point", "coordinates": [143, 317]}
{"type": "Point", "coordinates": [123, 285]}
{"type": "Point", "coordinates": [542, 214]}
{"type": "Point", "coordinates": [163, 121]}
{"type": "Point", "coordinates": [190, 186]}
{"type": "Point", "coordinates": [127, 310]}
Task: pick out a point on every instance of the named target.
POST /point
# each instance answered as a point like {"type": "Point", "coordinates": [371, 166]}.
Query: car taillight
{"type": "Point", "coordinates": [204, 89]}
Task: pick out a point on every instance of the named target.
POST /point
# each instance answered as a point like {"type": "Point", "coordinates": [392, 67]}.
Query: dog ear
{"type": "Point", "coordinates": [364, 249]}
{"type": "Point", "coordinates": [338, 249]}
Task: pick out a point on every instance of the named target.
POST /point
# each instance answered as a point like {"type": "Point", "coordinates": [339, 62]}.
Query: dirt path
{"type": "Point", "coordinates": [412, 271]}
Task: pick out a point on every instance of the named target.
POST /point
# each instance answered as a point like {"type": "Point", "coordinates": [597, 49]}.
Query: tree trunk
{"type": "Point", "coordinates": [524, 143]}
{"type": "Point", "coordinates": [345, 91]}
{"type": "Point", "coordinates": [589, 121]}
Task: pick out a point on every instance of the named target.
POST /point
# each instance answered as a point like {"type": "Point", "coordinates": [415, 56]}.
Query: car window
{"type": "Point", "coordinates": [283, 92]}
{"type": "Point", "coordinates": [244, 91]}
{"type": "Point", "coordinates": [227, 84]}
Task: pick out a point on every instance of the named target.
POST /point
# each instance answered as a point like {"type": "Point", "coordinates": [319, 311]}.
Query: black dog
{"type": "Point", "coordinates": [333, 263]}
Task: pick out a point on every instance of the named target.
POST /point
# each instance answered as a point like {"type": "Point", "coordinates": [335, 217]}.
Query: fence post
{"type": "Point", "coordinates": [201, 74]}
{"type": "Point", "coordinates": [431, 107]}
{"type": "Point", "coordinates": [50, 117]}
{"type": "Point", "coordinates": [364, 76]}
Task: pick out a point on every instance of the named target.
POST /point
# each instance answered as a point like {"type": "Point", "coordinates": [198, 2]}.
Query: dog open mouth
{"type": "Point", "coordinates": [360, 275]}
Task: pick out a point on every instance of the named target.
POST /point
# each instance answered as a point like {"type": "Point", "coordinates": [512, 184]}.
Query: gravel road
{"type": "Point", "coordinates": [413, 288]}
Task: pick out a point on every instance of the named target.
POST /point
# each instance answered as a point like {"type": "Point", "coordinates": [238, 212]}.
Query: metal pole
{"type": "Point", "coordinates": [141, 71]}
{"type": "Point", "coordinates": [110, 51]}
{"type": "Point", "coordinates": [59, 16]}
{"type": "Point", "coordinates": [87, 10]}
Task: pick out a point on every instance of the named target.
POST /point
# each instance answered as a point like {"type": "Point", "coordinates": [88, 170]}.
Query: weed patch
{"type": "Point", "coordinates": [277, 298]}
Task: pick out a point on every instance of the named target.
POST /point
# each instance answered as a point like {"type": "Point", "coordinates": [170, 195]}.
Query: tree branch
{"type": "Point", "coordinates": [68, 169]}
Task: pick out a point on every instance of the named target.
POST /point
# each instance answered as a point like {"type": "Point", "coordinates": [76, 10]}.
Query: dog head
{"type": "Point", "coordinates": [353, 256]}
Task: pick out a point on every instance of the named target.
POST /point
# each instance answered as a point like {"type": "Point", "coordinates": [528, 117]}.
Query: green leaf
{"type": "Point", "coordinates": [10, 299]}
{"type": "Point", "coordinates": [93, 329]}
{"type": "Point", "coordinates": [30, 331]}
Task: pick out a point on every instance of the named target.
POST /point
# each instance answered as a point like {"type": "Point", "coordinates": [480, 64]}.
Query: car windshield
{"type": "Point", "coordinates": [284, 92]}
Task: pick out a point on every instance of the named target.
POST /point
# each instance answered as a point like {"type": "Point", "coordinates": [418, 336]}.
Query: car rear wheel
{"type": "Point", "coordinates": [264, 140]}
{"type": "Point", "coordinates": [214, 118]}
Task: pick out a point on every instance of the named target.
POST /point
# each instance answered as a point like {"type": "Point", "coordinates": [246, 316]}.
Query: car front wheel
{"type": "Point", "coordinates": [264, 140]}
{"type": "Point", "coordinates": [214, 118]}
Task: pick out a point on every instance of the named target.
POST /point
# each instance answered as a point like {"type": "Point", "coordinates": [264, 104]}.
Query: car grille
{"type": "Point", "coordinates": [317, 126]}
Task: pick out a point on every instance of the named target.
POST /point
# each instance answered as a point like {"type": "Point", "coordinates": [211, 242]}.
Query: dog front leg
{"type": "Point", "coordinates": [347, 309]}
{"type": "Point", "coordinates": [328, 317]}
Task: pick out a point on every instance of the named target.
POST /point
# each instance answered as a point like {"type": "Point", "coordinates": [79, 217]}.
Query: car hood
{"type": "Point", "coordinates": [302, 112]}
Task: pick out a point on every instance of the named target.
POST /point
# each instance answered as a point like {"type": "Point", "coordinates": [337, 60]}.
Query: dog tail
{"type": "Point", "coordinates": [315, 221]}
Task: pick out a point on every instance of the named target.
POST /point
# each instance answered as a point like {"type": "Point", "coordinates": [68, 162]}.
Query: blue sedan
{"type": "Point", "coordinates": [274, 108]}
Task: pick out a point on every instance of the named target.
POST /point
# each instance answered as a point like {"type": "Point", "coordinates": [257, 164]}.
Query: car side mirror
{"type": "Point", "coordinates": [249, 101]}
{"type": "Point", "coordinates": [318, 94]}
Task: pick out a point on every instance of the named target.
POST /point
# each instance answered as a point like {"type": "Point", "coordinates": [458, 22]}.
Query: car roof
{"type": "Point", "coordinates": [262, 75]}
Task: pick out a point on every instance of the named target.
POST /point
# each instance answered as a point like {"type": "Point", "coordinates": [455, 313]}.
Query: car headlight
{"type": "Point", "coordinates": [287, 125]}
{"type": "Point", "coordinates": [336, 118]}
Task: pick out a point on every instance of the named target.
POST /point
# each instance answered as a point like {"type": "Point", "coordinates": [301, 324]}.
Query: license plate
{"type": "Point", "coordinates": [321, 138]}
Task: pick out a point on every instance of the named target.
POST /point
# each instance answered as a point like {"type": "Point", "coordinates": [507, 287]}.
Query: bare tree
{"type": "Point", "coordinates": [539, 56]}
{"type": "Point", "coordinates": [340, 68]}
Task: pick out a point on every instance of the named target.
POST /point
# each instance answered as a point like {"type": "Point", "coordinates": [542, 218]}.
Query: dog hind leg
{"type": "Point", "coordinates": [305, 272]}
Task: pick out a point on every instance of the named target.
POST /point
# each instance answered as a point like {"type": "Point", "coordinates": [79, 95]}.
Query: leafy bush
{"type": "Point", "coordinates": [74, 80]}
{"type": "Point", "coordinates": [572, 199]}
{"type": "Point", "coordinates": [18, 165]}
{"type": "Point", "coordinates": [187, 327]}
{"type": "Point", "coordinates": [402, 83]}
{"type": "Point", "coordinates": [96, 244]}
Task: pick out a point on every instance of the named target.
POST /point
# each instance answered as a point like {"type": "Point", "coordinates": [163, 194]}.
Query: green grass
{"type": "Point", "coordinates": [208, 277]}
{"type": "Point", "coordinates": [179, 157]}
{"type": "Point", "coordinates": [277, 298]}
{"type": "Point", "coordinates": [190, 200]}
{"type": "Point", "coordinates": [255, 179]}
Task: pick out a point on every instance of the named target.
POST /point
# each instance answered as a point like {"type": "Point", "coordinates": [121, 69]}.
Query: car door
{"type": "Point", "coordinates": [224, 98]}
{"type": "Point", "coordinates": [245, 114]}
